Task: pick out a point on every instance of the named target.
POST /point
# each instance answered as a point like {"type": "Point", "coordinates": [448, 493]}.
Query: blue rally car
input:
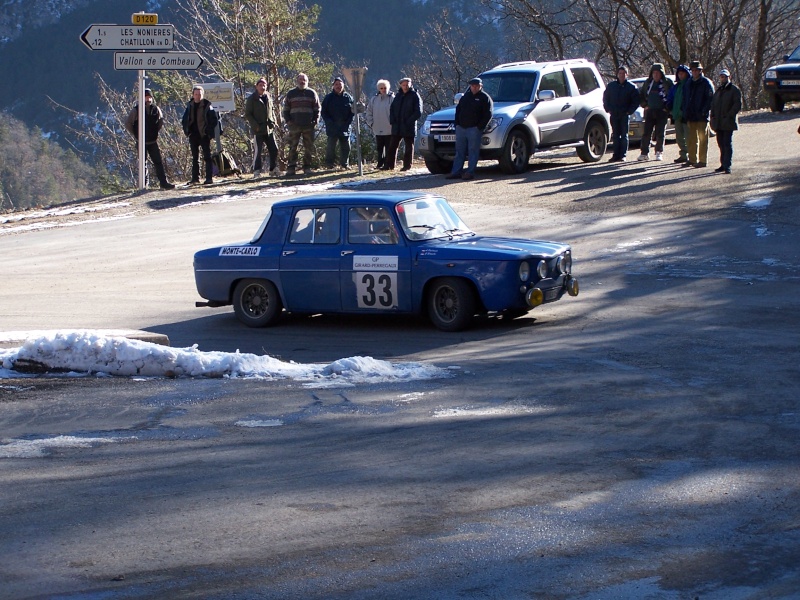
{"type": "Point", "coordinates": [380, 252]}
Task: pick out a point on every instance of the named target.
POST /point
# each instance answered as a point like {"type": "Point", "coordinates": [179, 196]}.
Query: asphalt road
{"type": "Point", "coordinates": [639, 441]}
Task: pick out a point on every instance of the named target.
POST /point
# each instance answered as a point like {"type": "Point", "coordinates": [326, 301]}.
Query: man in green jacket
{"type": "Point", "coordinates": [260, 115]}
{"type": "Point", "coordinates": [675, 105]}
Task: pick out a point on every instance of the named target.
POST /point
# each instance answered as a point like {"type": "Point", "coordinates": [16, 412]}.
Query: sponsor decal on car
{"type": "Point", "coordinates": [240, 251]}
{"type": "Point", "coordinates": [375, 263]}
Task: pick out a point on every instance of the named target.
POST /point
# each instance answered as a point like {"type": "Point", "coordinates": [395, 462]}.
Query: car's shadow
{"type": "Point", "coordinates": [324, 338]}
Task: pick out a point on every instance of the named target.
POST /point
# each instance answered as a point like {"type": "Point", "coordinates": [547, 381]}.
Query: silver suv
{"type": "Point", "coordinates": [536, 106]}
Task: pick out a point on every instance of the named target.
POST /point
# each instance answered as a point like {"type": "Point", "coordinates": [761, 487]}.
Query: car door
{"type": "Point", "coordinates": [555, 118]}
{"type": "Point", "coordinates": [375, 265]}
{"type": "Point", "coordinates": [309, 262]}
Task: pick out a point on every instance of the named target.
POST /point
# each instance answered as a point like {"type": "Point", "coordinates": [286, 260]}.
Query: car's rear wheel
{"type": "Point", "coordinates": [256, 302]}
{"type": "Point", "coordinates": [516, 154]}
{"type": "Point", "coordinates": [595, 142]}
{"type": "Point", "coordinates": [438, 166]}
{"type": "Point", "coordinates": [776, 103]}
{"type": "Point", "coordinates": [451, 304]}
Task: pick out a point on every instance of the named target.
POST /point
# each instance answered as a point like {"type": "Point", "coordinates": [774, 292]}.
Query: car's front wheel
{"type": "Point", "coordinates": [516, 154]}
{"type": "Point", "coordinates": [451, 304]}
{"type": "Point", "coordinates": [256, 302]}
{"type": "Point", "coordinates": [595, 142]}
{"type": "Point", "coordinates": [438, 166]}
{"type": "Point", "coordinates": [776, 103]}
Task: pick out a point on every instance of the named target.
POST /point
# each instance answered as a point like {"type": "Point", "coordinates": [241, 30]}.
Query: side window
{"type": "Point", "coordinates": [315, 226]}
{"type": "Point", "coordinates": [370, 225]}
{"type": "Point", "coordinates": [557, 82]}
{"type": "Point", "coordinates": [585, 78]}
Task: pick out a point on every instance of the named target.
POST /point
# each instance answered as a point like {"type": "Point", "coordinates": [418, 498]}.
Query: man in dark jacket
{"type": "Point", "coordinates": [153, 120]}
{"type": "Point", "coordinates": [473, 113]}
{"type": "Point", "coordinates": [620, 100]}
{"type": "Point", "coordinates": [337, 114]}
{"type": "Point", "coordinates": [301, 114]}
{"type": "Point", "coordinates": [654, 94]}
{"type": "Point", "coordinates": [675, 105]}
{"type": "Point", "coordinates": [725, 107]}
{"type": "Point", "coordinates": [260, 115]}
{"type": "Point", "coordinates": [200, 122]}
{"type": "Point", "coordinates": [696, 108]}
{"type": "Point", "coordinates": [404, 113]}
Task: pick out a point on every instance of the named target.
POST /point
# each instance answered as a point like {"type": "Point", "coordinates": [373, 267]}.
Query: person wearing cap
{"type": "Point", "coordinates": [377, 117]}
{"type": "Point", "coordinates": [260, 115]}
{"type": "Point", "coordinates": [473, 113]}
{"type": "Point", "coordinates": [725, 107]}
{"type": "Point", "coordinates": [675, 106]}
{"type": "Point", "coordinates": [653, 98]}
{"type": "Point", "coordinates": [200, 122]}
{"type": "Point", "coordinates": [301, 114]}
{"type": "Point", "coordinates": [404, 113]}
{"type": "Point", "coordinates": [696, 109]}
{"type": "Point", "coordinates": [153, 121]}
{"type": "Point", "coordinates": [620, 100]}
{"type": "Point", "coordinates": [337, 114]}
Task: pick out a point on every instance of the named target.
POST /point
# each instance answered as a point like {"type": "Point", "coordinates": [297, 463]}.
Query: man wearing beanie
{"type": "Point", "coordinates": [725, 107]}
{"type": "Point", "coordinates": [620, 100]}
{"type": "Point", "coordinates": [153, 121]}
{"type": "Point", "coordinates": [654, 94]}
{"type": "Point", "coordinates": [675, 105]}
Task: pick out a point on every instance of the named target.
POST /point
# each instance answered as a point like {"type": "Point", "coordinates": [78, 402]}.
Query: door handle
{"type": "Point", "coordinates": [288, 252]}
{"type": "Point", "coordinates": [346, 252]}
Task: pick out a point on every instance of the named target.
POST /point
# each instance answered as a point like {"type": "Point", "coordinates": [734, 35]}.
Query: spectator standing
{"type": "Point", "coordinates": [675, 105]}
{"type": "Point", "coordinates": [696, 109]}
{"type": "Point", "coordinates": [337, 114]}
{"type": "Point", "coordinates": [654, 94]}
{"type": "Point", "coordinates": [301, 115]}
{"type": "Point", "coordinates": [377, 118]}
{"type": "Point", "coordinates": [200, 122]}
{"type": "Point", "coordinates": [405, 111]}
{"type": "Point", "coordinates": [473, 113]}
{"type": "Point", "coordinates": [620, 100]}
{"type": "Point", "coordinates": [725, 107]}
{"type": "Point", "coordinates": [153, 121]}
{"type": "Point", "coordinates": [260, 114]}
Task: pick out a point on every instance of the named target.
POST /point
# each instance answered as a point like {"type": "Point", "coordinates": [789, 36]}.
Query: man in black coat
{"type": "Point", "coordinates": [620, 100]}
{"type": "Point", "coordinates": [725, 107]}
{"type": "Point", "coordinates": [337, 114]}
{"type": "Point", "coordinates": [153, 121]}
{"type": "Point", "coordinates": [404, 113]}
{"type": "Point", "coordinates": [199, 124]}
{"type": "Point", "coordinates": [696, 108]}
{"type": "Point", "coordinates": [473, 113]}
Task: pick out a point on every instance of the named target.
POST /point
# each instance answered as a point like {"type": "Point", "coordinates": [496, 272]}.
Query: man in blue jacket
{"type": "Point", "coordinates": [473, 113]}
{"type": "Point", "coordinates": [620, 100]}
{"type": "Point", "coordinates": [696, 108]}
{"type": "Point", "coordinates": [337, 114]}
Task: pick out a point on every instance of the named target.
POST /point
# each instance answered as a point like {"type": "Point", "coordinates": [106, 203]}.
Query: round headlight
{"type": "Point", "coordinates": [541, 269]}
{"type": "Point", "coordinates": [564, 264]}
{"type": "Point", "coordinates": [524, 271]}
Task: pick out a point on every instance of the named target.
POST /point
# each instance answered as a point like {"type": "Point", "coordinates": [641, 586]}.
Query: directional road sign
{"type": "Point", "coordinates": [154, 61]}
{"type": "Point", "coordinates": [129, 37]}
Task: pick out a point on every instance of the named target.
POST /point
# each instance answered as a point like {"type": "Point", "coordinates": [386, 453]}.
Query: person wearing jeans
{"type": "Point", "coordinates": [473, 113]}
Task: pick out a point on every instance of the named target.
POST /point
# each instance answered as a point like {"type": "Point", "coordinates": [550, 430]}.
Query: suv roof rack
{"type": "Point", "coordinates": [533, 63]}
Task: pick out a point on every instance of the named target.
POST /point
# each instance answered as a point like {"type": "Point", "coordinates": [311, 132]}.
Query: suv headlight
{"type": "Point", "coordinates": [493, 124]}
{"type": "Point", "coordinates": [426, 127]}
{"type": "Point", "coordinates": [771, 74]}
{"type": "Point", "coordinates": [637, 116]}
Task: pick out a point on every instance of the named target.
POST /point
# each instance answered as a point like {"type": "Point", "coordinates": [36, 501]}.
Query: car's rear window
{"type": "Point", "coordinates": [585, 78]}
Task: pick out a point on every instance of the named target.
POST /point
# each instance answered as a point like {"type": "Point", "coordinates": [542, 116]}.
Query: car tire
{"type": "Point", "coordinates": [256, 302]}
{"type": "Point", "coordinates": [595, 142]}
{"type": "Point", "coordinates": [516, 154]}
{"type": "Point", "coordinates": [776, 103]}
{"type": "Point", "coordinates": [451, 304]}
{"type": "Point", "coordinates": [438, 166]}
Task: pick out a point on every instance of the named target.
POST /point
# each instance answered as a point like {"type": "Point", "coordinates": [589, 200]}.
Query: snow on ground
{"type": "Point", "coordinates": [87, 352]}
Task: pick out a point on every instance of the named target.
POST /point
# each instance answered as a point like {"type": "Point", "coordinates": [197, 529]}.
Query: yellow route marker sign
{"type": "Point", "coordinates": [144, 19]}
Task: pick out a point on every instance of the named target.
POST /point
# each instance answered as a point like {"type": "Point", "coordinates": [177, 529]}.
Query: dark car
{"type": "Point", "coordinates": [782, 82]}
{"type": "Point", "coordinates": [380, 252]}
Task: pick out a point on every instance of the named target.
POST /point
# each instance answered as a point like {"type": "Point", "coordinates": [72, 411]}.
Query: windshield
{"type": "Point", "coordinates": [430, 218]}
{"type": "Point", "coordinates": [509, 87]}
{"type": "Point", "coordinates": [795, 55]}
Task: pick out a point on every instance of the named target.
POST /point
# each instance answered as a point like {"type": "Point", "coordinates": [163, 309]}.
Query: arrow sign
{"type": "Point", "coordinates": [154, 61]}
{"type": "Point", "coordinates": [129, 37]}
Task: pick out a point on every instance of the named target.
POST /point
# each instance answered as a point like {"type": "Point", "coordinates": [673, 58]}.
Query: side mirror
{"type": "Point", "coordinates": [457, 97]}
{"type": "Point", "coordinates": [545, 95]}
{"type": "Point", "coordinates": [785, 58]}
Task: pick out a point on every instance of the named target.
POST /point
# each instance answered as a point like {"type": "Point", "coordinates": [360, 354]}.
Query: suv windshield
{"type": "Point", "coordinates": [795, 56]}
{"type": "Point", "coordinates": [509, 87]}
{"type": "Point", "coordinates": [430, 218]}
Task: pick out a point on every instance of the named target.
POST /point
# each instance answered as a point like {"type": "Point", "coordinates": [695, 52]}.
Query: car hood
{"type": "Point", "coordinates": [495, 248]}
{"type": "Point", "coordinates": [787, 66]}
{"type": "Point", "coordinates": [500, 109]}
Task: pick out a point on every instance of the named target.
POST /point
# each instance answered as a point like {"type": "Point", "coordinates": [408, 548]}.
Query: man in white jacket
{"type": "Point", "coordinates": [378, 120]}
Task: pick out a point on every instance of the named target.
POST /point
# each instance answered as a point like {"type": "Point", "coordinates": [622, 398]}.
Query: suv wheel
{"type": "Point", "coordinates": [775, 103]}
{"type": "Point", "coordinates": [595, 142]}
{"type": "Point", "coordinates": [438, 166]}
{"type": "Point", "coordinates": [516, 154]}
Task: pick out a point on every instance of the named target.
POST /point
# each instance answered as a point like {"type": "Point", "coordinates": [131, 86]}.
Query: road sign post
{"type": "Point", "coordinates": [355, 79]}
